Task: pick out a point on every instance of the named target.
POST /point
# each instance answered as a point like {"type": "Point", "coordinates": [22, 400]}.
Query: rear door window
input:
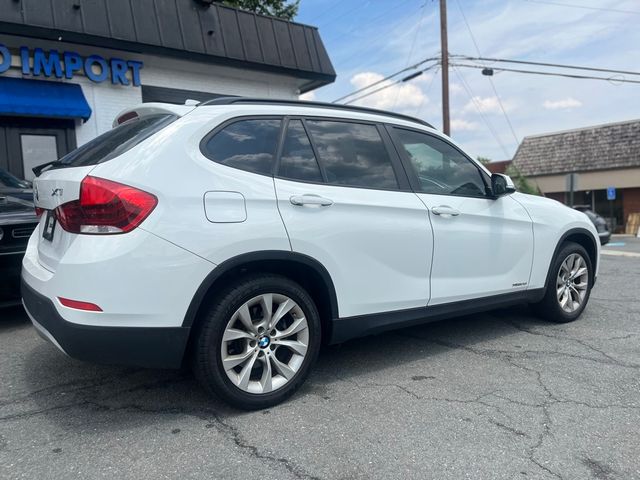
{"type": "Point", "coordinates": [352, 154]}
{"type": "Point", "coordinates": [116, 141]}
{"type": "Point", "coordinates": [248, 144]}
{"type": "Point", "coordinates": [298, 162]}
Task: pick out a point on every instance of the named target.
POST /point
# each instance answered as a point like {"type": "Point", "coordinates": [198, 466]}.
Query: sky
{"type": "Point", "coordinates": [370, 39]}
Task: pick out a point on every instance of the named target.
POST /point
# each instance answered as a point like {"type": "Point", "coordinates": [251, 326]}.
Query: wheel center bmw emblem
{"type": "Point", "coordinates": [264, 342]}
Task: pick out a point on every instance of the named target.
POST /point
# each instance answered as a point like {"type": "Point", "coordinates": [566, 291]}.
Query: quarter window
{"type": "Point", "coordinates": [246, 144]}
{"type": "Point", "coordinates": [352, 154]}
{"type": "Point", "coordinates": [441, 168]}
{"type": "Point", "coordinates": [298, 161]}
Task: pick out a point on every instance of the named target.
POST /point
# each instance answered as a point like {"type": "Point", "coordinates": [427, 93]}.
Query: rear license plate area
{"type": "Point", "coordinates": [49, 226]}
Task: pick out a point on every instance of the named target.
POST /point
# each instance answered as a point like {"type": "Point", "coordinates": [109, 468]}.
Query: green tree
{"type": "Point", "coordinates": [276, 8]}
{"type": "Point", "coordinates": [521, 182]}
{"type": "Point", "coordinates": [483, 160]}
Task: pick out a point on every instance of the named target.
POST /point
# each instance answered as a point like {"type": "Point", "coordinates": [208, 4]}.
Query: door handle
{"type": "Point", "coordinates": [446, 211]}
{"type": "Point", "coordinates": [310, 199]}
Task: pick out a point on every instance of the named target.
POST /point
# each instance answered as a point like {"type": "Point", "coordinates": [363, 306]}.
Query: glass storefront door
{"type": "Point", "coordinates": [28, 142]}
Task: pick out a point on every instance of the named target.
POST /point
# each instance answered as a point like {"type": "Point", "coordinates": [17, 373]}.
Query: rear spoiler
{"type": "Point", "coordinates": [145, 109]}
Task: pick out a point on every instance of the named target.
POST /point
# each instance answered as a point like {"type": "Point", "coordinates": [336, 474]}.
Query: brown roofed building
{"type": "Point", "coordinates": [498, 167]}
{"type": "Point", "coordinates": [603, 156]}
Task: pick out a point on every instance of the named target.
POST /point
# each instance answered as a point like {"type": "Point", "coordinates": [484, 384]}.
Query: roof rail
{"type": "Point", "coordinates": [305, 103]}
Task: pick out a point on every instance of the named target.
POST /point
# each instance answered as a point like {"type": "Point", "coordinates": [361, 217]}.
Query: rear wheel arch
{"type": "Point", "coordinates": [304, 270]}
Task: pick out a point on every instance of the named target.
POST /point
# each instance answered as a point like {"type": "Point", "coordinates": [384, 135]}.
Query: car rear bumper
{"type": "Point", "coordinates": [154, 347]}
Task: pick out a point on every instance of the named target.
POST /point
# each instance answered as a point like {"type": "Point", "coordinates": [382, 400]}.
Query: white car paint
{"type": "Point", "coordinates": [551, 220]}
{"type": "Point", "coordinates": [376, 244]}
{"type": "Point", "coordinates": [384, 250]}
{"type": "Point", "coordinates": [486, 249]}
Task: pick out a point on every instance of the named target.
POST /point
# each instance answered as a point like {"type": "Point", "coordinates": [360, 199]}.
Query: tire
{"type": "Point", "coordinates": [550, 307]}
{"type": "Point", "coordinates": [289, 363]}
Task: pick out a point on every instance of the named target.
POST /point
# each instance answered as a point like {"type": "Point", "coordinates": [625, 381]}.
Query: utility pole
{"type": "Point", "coordinates": [446, 127]}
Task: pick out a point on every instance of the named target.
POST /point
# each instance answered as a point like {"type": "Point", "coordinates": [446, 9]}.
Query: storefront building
{"type": "Point", "coordinates": [605, 159]}
{"type": "Point", "coordinates": [68, 67]}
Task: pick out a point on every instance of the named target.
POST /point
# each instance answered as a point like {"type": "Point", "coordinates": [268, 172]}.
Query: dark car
{"type": "Point", "coordinates": [599, 222]}
{"type": "Point", "coordinates": [17, 221]}
{"type": "Point", "coordinates": [13, 186]}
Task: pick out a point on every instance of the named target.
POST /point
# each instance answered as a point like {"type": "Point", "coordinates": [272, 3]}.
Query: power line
{"type": "Point", "coordinates": [544, 64]}
{"type": "Point", "coordinates": [473, 99]}
{"type": "Point", "coordinates": [553, 74]}
{"type": "Point", "coordinates": [383, 32]}
{"type": "Point", "coordinates": [405, 79]}
{"type": "Point", "coordinates": [413, 45]}
{"type": "Point", "coordinates": [344, 14]}
{"type": "Point", "coordinates": [495, 91]}
{"type": "Point", "coordinates": [388, 77]}
{"type": "Point", "coordinates": [584, 7]}
{"type": "Point", "coordinates": [369, 21]}
{"type": "Point", "coordinates": [424, 95]}
{"type": "Point", "coordinates": [326, 10]}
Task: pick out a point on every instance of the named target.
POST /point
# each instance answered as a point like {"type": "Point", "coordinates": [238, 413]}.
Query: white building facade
{"type": "Point", "coordinates": [39, 122]}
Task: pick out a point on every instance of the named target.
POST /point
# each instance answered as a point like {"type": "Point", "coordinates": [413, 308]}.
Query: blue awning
{"type": "Point", "coordinates": [19, 96]}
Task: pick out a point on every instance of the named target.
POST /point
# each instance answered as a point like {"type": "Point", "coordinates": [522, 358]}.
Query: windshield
{"type": "Point", "coordinates": [8, 180]}
{"type": "Point", "coordinates": [115, 142]}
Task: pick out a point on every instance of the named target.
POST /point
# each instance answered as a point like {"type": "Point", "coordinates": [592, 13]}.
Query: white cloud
{"type": "Point", "coordinates": [485, 105]}
{"type": "Point", "coordinates": [460, 124]}
{"type": "Point", "coordinates": [309, 96]}
{"type": "Point", "coordinates": [564, 104]}
{"type": "Point", "coordinates": [395, 97]}
{"type": "Point", "coordinates": [455, 88]}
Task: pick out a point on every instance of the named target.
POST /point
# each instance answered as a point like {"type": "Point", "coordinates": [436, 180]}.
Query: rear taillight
{"type": "Point", "coordinates": [39, 211]}
{"type": "Point", "coordinates": [105, 208]}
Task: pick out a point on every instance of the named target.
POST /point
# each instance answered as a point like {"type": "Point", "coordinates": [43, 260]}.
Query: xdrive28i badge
{"type": "Point", "coordinates": [56, 192]}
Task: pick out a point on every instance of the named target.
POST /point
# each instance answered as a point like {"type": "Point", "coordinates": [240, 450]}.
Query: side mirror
{"type": "Point", "coordinates": [501, 185]}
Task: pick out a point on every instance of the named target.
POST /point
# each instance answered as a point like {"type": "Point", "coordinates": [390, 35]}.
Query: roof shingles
{"type": "Point", "coordinates": [603, 147]}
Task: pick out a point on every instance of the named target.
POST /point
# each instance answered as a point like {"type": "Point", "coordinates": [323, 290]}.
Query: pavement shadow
{"type": "Point", "coordinates": [75, 394]}
{"type": "Point", "coordinates": [390, 349]}
{"type": "Point", "coordinates": [13, 317]}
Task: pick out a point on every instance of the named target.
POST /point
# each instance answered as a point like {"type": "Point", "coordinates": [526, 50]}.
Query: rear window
{"type": "Point", "coordinates": [116, 141]}
{"type": "Point", "coordinates": [245, 144]}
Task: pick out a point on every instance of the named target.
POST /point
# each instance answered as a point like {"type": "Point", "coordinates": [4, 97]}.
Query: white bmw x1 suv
{"type": "Point", "coordinates": [240, 234]}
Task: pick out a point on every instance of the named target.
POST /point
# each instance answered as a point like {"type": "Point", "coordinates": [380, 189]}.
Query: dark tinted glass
{"type": "Point", "coordinates": [298, 161]}
{"type": "Point", "coordinates": [440, 167]}
{"type": "Point", "coordinates": [352, 154]}
{"type": "Point", "coordinates": [246, 144]}
{"type": "Point", "coordinates": [116, 141]}
{"type": "Point", "coordinates": [8, 180]}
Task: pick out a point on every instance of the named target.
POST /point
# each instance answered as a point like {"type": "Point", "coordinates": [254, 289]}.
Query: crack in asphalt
{"type": "Point", "coordinates": [613, 360]}
{"type": "Point", "coordinates": [546, 423]}
{"type": "Point", "coordinates": [225, 428]}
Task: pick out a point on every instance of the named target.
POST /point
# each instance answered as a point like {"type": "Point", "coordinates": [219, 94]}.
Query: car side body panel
{"type": "Point", "coordinates": [180, 176]}
{"type": "Point", "coordinates": [551, 221]}
{"type": "Point", "coordinates": [375, 244]}
{"type": "Point", "coordinates": [374, 255]}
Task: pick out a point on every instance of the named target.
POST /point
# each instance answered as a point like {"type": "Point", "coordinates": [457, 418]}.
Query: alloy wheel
{"type": "Point", "coordinates": [265, 343]}
{"type": "Point", "coordinates": [572, 283]}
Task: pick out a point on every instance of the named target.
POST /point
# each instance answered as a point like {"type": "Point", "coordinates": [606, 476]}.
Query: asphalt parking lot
{"type": "Point", "coordinates": [499, 395]}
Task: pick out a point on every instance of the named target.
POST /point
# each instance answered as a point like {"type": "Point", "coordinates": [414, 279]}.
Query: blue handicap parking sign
{"type": "Point", "coordinates": [611, 193]}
